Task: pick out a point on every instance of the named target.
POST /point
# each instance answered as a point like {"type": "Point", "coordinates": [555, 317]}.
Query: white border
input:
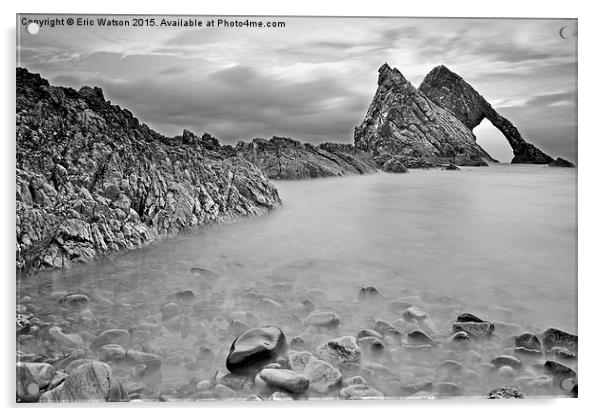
{"type": "Point", "coordinates": [589, 190]}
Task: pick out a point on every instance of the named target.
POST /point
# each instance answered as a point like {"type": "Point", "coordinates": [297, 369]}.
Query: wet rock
{"type": "Point", "coordinates": [339, 350]}
{"type": "Point", "coordinates": [322, 376]}
{"type": "Point", "coordinates": [253, 398]}
{"type": "Point", "coordinates": [451, 366]}
{"type": "Point", "coordinates": [561, 163]}
{"type": "Point", "coordinates": [297, 342]}
{"type": "Point", "coordinates": [323, 319]}
{"type": "Point", "coordinates": [508, 360]}
{"type": "Point", "coordinates": [235, 381]}
{"type": "Point", "coordinates": [475, 329]}
{"type": "Point", "coordinates": [468, 317]}
{"type": "Point", "coordinates": [184, 296]}
{"type": "Point", "coordinates": [66, 340]}
{"type": "Point", "coordinates": [33, 379]}
{"type": "Point", "coordinates": [383, 327]}
{"type": "Point", "coordinates": [288, 380]}
{"type": "Point", "coordinates": [528, 340]}
{"type": "Point", "coordinates": [419, 338]}
{"type": "Point", "coordinates": [112, 336]}
{"type": "Point", "coordinates": [212, 276]}
{"type": "Point", "coordinates": [279, 395]}
{"type": "Point", "coordinates": [89, 382]}
{"type": "Point", "coordinates": [255, 348]}
{"type": "Point", "coordinates": [553, 337]}
{"type": "Point", "coordinates": [75, 301]}
{"type": "Point", "coordinates": [451, 166]}
{"type": "Point", "coordinates": [359, 391]}
{"type": "Point", "coordinates": [308, 305]}
{"type": "Point", "coordinates": [526, 353]}
{"type": "Point", "coordinates": [410, 389]}
{"type": "Point", "coordinates": [152, 362]}
{"type": "Point", "coordinates": [369, 293]}
{"type": "Point", "coordinates": [460, 337]}
{"type": "Point", "coordinates": [414, 313]}
{"type": "Point", "coordinates": [509, 392]}
{"type": "Point", "coordinates": [558, 371]}
{"type": "Point", "coordinates": [270, 305]}
{"type": "Point", "coordinates": [110, 352]}
{"type": "Point", "coordinates": [563, 354]}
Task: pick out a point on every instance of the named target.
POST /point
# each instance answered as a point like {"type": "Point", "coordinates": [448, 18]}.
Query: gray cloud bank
{"type": "Point", "coordinates": [314, 79]}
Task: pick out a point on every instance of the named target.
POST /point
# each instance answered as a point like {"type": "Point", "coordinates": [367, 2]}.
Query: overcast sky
{"type": "Point", "coordinates": [314, 79]}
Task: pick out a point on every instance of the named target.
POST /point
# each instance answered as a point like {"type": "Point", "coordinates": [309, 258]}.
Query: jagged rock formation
{"type": "Point", "coordinates": [451, 92]}
{"type": "Point", "coordinates": [284, 158]}
{"type": "Point", "coordinates": [92, 180]}
{"type": "Point", "coordinates": [433, 123]}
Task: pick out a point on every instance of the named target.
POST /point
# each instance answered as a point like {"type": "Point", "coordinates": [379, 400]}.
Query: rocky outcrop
{"type": "Point", "coordinates": [434, 123]}
{"type": "Point", "coordinates": [285, 158]}
{"type": "Point", "coordinates": [92, 180]}
{"type": "Point", "coordinates": [451, 92]}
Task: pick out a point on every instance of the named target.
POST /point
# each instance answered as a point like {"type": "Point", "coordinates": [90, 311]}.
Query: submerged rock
{"type": "Point", "coordinates": [89, 382]}
{"type": "Point", "coordinates": [254, 348]}
{"type": "Point", "coordinates": [419, 338]}
{"type": "Point", "coordinates": [75, 301]}
{"type": "Point", "coordinates": [325, 319]}
{"type": "Point", "coordinates": [359, 391]}
{"type": "Point", "coordinates": [369, 293]}
{"type": "Point", "coordinates": [529, 341]}
{"type": "Point", "coordinates": [112, 336]}
{"type": "Point", "coordinates": [33, 379]}
{"type": "Point", "coordinates": [288, 380]}
{"type": "Point", "coordinates": [553, 337]}
{"type": "Point", "coordinates": [561, 163]}
{"type": "Point", "coordinates": [322, 376]}
{"type": "Point", "coordinates": [451, 166]}
{"type": "Point", "coordinates": [473, 325]}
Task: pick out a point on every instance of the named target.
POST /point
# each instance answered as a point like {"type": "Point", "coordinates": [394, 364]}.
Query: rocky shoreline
{"type": "Point", "coordinates": [414, 346]}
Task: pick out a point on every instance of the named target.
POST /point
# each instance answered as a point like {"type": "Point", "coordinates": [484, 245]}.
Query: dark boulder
{"type": "Point", "coordinates": [394, 165]}
{"type": "Point", "coordinates": [561, 163]}
{"type": "Point", "coordinates": [255, 348]}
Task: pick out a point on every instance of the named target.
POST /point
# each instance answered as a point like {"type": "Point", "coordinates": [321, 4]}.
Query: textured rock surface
{"type": "Point", "coordinates": [284, 158]}
{"type": "Point", "coordinates": [91, 180]}
{"type": "Point", "coordinates": [434, 123]}
{"type": "Point", "coordinates": [451, 92]}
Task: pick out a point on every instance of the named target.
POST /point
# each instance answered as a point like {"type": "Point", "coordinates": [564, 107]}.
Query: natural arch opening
{"type": "Point", "coordinates": [493, 141]}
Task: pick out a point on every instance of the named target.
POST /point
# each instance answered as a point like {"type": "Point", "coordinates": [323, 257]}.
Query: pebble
{"type": "Point", "coordinates": [288, 380]}
{"type": "Point", "coordinates": [74, 301]}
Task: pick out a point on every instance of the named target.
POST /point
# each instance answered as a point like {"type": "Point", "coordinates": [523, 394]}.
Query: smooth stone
{"type": "Point", "coordinates": [506, 372]}
{"type": "Point", "coordinates": [558, 371]}
{"type": "Point", "coordinates": [509, 392]}
{"type": "Point", "coordinates": [369, 293]}
{"type": "Point", "coordinates": [184, 296]}
{"type": "Point", "coordinates": [297, 360]}
{"type": "Point", "coordinates": [110, 352]}
{"type": "Point", "coordinates": [205, 273]}
{"type": "Point", "coordinates": [151, 361]}
{"type": "Point", "coordinates": [253, 398]}
{"type": "Point", "coordinates": [204, 385]}
{"type": "Point", "coordinates": [525, 353]}
{"type": "Point", "coordinates": [90, 382]}
{"type": "Point", "coordinates": [476, 329]}
{"type": "Point", "coordinates": [553, 337]}
{"type": "Point", "coordinates": [234, 381]}
{"type": "Point", "coordinates": [112, 336]}
{"type": "Point", "coordinates": [67, 340]}
{"type": "Point", "coordinates": [529, 341]}
{"type": "Point", "coordinates": [308, 305]}
{"type": "Point", "coordinates": [288, 380]}
{"type": "Point", "coordinates": [76, 301]}
{"type": "Point", "coordinates": [255, 348]}
{"type": "Point", "coordinates": [323, 319]}
{"type": "Point", "coordinates": [372, 344]}
{"type": "Point", "coordinates": [508, 360]}
{"type": "Point", "coordinates": [411, 389]}
{"type": "Point", "coordinates": [322, 376]}
{"type": "Point", "coordinates": [359, 392]}
{"type": "Point", "coordinates": [419, 338]}
{"type": "Point", "coordinates": [362, 333]}
{"type": "Point", "coordinates": [32, 379]}
{"type": "Point", "coordinates": [339, 350]}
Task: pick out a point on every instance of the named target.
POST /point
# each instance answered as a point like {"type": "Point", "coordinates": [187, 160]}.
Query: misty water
{"type": "Point", "coordinates": [498, 242]}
